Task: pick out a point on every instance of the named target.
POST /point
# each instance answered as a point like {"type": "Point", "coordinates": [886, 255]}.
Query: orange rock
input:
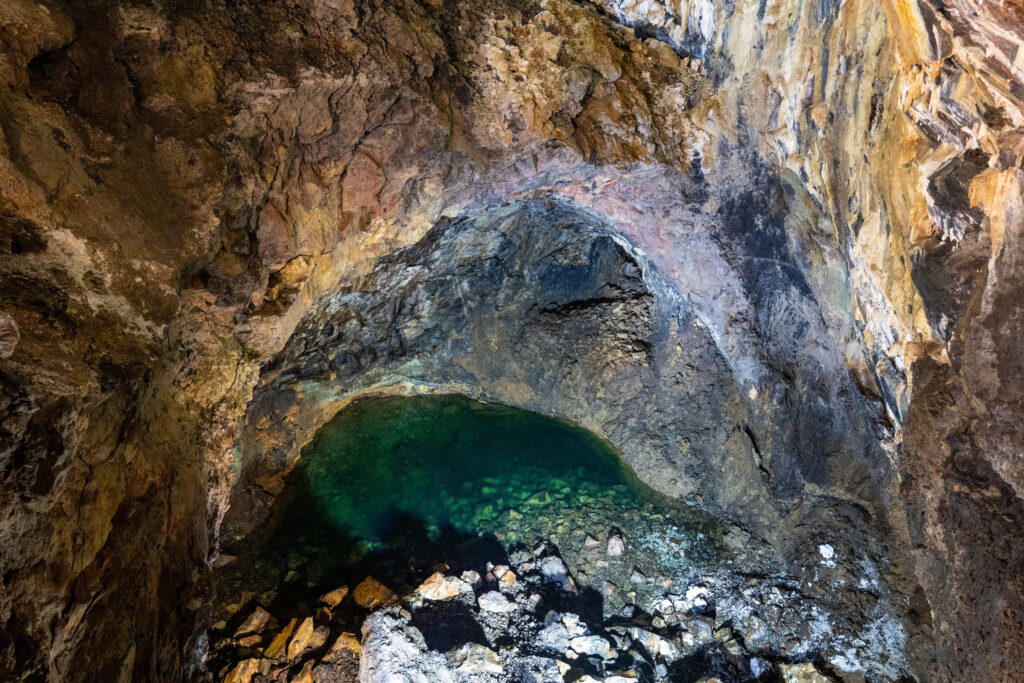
{"type": "Point", "coordinates": [372, 593]}
{"type": "Point", "coordinates": [277, 645]}
{"type": "Point", "coordinates": [334, 598]}
{"type": "Point", "coordinates": [245, 670]}
{"type": "Point", "coordinates": [439, 587]}
{"type": "Point", "coordinates": [307, 637]}
{"type": "Point", "coordinates": [347, 646]}
{"type": "Point", "coordinates": [255, 623]}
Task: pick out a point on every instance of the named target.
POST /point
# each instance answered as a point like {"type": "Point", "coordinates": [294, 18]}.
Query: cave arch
{"type": "Point", "coordinates": [535, 304]}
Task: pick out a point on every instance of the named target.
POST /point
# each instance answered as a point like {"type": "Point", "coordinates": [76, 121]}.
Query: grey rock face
{"type": "Point", "coordinates": [395, 651]}
{"type": "Point", "coordinates": [538, 305]}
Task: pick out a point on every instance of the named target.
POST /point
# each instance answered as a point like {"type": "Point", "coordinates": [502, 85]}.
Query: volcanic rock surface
{"type": "Point", "coordinates": [805, 222]}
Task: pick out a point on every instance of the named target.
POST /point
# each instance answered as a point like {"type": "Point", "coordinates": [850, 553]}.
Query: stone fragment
{"type": "Point", "coordinates": [553, 639]}
{"type": "Point", "coordinates": [440, 587]}
{"type": "Point", "coordinates": [334, 598]}
{"type": "Point", "coordinates": [591, 646]}
{"type": "Point", "coordinates": [307, 637]}
{"type": "Point", "coordinates": [590, 543]}
{"type": "Point", "coordinates": [507, 579]}
{"type": "Point", "coordinates": [393, 650]}
{"type": "Point", "coordinates": [371, 593]}
{"type": "Point", "coordinates": [280, 641]}
{"type": "Point", "coordinates": [655, 644]}
{"type": "Point", "coordinates": [759, 666]}
{"type": "Point", "coordinates": [554, 571]}
{"type": "Point", "coordinates": [542, 670]}
{"type": "Point", "coordinates": [637, 576]}
{"type": "Point", "coordinates": [9, 336]}
{"type": "Point", "coordinates": [493, 601]}
{"type": "Point", "coordinates": [801, 673]}
{"type": "Point", "coordinates": [616, 546]}
{"type": "Point", "coordinates": [346, 646]}
{"type": "Point", "coordinates": [701, 628]}
{"type": "Point", "coordinates": [224, 560]}
{"type": "Point", "coordinates": [246, 669]}
{"type": "Point", "coordinates": [474, 659]}
{"type": "Point", "coordinates": [254, 623]}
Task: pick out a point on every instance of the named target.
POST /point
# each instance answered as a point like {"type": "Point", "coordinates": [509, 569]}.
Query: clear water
{"type": "Point", "coordinates": [449, 462]}
{"type": "Point", "coordinates": [392, 486]}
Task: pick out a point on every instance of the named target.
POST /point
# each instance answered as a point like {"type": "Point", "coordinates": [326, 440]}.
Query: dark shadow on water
{"type": "Point", "coordinates": [329, 557]}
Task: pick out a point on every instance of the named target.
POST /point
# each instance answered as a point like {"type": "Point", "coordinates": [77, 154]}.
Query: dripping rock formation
{"type": "Point", "coordinates": [771, 251]}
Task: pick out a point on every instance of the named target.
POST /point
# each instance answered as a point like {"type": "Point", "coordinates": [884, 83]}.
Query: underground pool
{"type": "Point", "coordinates": [475, 525]}
{"type": "Point", "coordinates": [392, 486]}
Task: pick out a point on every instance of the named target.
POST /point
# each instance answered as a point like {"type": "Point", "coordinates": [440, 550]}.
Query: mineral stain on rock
{"type": "Point", "coordinates": [769, 250]}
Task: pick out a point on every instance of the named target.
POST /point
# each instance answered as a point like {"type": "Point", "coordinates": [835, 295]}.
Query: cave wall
{"type": "Point", "coordinates": [182, 181]}
{"type": "Point", "coordinates": [534, 304]}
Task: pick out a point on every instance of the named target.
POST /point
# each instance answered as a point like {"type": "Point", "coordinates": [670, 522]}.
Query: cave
{"type": "Point", "coordinates": [532, 340]}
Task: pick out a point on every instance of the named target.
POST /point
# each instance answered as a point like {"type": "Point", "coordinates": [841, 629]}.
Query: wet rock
{"type": "Point", "coordinates": [616, 546]}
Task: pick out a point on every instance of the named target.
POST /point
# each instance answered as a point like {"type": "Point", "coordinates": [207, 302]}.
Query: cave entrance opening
{"type": "Point", "coordinates": [393, 486]}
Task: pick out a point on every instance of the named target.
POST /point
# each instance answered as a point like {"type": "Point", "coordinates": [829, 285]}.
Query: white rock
{"type": "Point", "coordinates": [593, 646]}
{"type": "Point", "coordinates": [555, 571]}
{"type": "Point", "coordinates": [616, 546]}
{"type": "Point", "coordinates": [493, 601]}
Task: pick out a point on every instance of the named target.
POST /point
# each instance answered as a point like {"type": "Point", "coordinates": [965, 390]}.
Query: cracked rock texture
{"type": "Point", "coordinates": [824, 197]}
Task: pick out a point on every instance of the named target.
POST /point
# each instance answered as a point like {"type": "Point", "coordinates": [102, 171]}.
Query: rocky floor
{"type": "Point", "coordinates": [603, 606]}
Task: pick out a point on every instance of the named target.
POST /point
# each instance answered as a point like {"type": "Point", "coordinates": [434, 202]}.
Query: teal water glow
{"type": "Point", "coordinates": [448, 461]}
{"type": "Point", "coordinates": [392, 486]}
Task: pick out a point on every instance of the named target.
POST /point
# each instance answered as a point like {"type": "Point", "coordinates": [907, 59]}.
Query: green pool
{"type": "Point", "coordinates": [392, 486]}
{"type": "Point", "coordinates": [450, 462]}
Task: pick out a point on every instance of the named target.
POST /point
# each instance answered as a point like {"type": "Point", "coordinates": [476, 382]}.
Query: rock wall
{"type": "Point", "coordinates": [181, 182]}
